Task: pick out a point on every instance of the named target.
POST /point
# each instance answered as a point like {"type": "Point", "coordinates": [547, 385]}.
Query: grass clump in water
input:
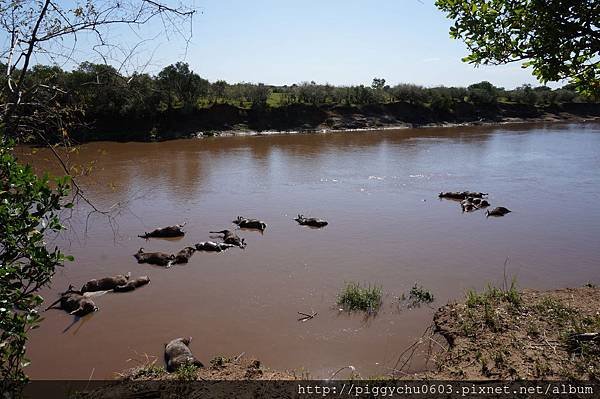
{"type": "Point", "coordinates": [356, 297]}
{"type": "Point", "coordinates": [419, 295]}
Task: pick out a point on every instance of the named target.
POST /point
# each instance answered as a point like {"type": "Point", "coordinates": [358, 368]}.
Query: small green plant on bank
{"type": "Point", "coordinates": [419, 295]}
{"type": "Point", "coordinates": [492, 294]}
{"type": "Point", "coordinates": [356, 297]}
{"type": "Point", "coordinates": [187, 372]}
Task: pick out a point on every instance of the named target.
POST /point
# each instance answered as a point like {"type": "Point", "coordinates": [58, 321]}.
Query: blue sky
{"type": "Point", "coordinates": [340, 42]}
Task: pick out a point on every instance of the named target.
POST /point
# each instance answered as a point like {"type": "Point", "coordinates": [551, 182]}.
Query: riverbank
{"type": "Point", "coordinates": [502, 334]}
{"type": "Point", "coordinates": [228, 120]}
{"type": "Point", "coordinates": [496, 334]}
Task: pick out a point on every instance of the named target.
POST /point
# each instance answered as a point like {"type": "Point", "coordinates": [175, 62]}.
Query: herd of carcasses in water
{"type": "Point", "coordinates": [177, 351]}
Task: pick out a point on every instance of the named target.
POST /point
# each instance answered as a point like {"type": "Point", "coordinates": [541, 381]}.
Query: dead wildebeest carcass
{"type": "Point", "coordinates": [165, 232]}
{"type": "Point", "coordinates": [312, 222]}
{"type": "Point", "coordinates": [246, 223]}
{"type": "Point", "coordinates": [479, 202]}
{"type": "Point", "coordinates": [105, 284]}
{"type": "Point", "coordinates": [461, 195]}
{"type": "Point", "coordinates": [499, 211]}
{"type": "Point", "coordinates": [74, 302]}
{"type": "Point", "coordinates": [178, 353]}
{"type": "Point", "coordinates": [211, 246]}
{"type": "Point", "coordinates": [184, 255]}
{"type": "Point", "coordinates": [154, 258]}
{"type": "Point", "coordinates": [473, 203]}
{"type": "Point", "coordinates": [229, 237]}
{"type": "Point", "coordinates": [133, 284]}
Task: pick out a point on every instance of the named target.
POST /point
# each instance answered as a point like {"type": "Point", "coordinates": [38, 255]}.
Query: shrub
{"type": "Point", "coordinates": [29, 211]}
{"type": "Point", "coordinates": [187, 372]}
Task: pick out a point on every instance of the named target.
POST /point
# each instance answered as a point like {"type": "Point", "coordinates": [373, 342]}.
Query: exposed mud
{"type": "Point", "coordinates": [494, 336]}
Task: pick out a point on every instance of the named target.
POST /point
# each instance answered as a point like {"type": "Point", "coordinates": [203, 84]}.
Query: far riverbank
{"type": "Point", "coordinates": [228, 120]}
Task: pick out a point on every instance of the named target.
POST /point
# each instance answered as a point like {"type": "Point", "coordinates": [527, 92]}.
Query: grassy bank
{"type": "Point", "coordinates": [506, 334]}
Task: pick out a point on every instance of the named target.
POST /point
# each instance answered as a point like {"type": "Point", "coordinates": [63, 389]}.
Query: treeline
{"type": "Point", "coordinates": [108, 100]}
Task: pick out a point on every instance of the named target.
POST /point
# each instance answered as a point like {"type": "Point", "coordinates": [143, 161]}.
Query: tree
{"type": "Point", "coordinates": [37, 29]}
{"type": "Point", "coordinates": [181, 85]}
{"type": "Point", "coordinates": [378, 84]}
{"type": "Point", "coordinates": [558, 39]}
{"type": "Point", "coordinates": [483, 93]}
{"type": "Point", "coordinates": [29, 210]}
{"type": "Point", "coordinates": [32, 106]}
{"type": "Point", "coordinates": [258, 95]}
{"type": "Point", "coordinates": [218, 89]}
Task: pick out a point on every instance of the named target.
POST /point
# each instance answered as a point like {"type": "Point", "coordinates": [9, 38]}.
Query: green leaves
{"type": "Point", "coordinates": [558, 40]}
{"type": "Point", "coordinates": [29, 209]}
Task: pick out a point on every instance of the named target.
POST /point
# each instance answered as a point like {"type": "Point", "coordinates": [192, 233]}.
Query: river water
{"type": "Point", "coordinates": [378, 190]}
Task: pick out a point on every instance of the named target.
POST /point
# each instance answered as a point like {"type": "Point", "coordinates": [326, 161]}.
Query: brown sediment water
{"type": "Point", "coordinates": [378, 190]}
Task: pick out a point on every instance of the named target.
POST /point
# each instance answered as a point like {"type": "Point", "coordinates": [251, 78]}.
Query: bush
{"type": "Point", "coordinates": [187, 372]}
{"type": "Point", "coordinates": [29, 211]}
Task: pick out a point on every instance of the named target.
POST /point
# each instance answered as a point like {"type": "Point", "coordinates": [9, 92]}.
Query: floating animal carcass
{"type": "Point", "coordinates": [498, 211]}
{"type": "Point", "coordinates": [312, 222]}
{"type": "Point", "coordinates": [461, 195]}
{"type": "Point", "coordinates": [247, 223]}
{"type": "Point", "coordinates": [229, 237]}
{"type": "Point", "coordinates": [211, 246]}
{"type": "Point", "coordinates": [133, 284]}
{"type": "Point", "coordinates": [74, 302]}
{"type": "Point", "coordinates": [154, 258]}
{"type": "Point", "coordinates": [105, 284]}
{"type": "Point", "coordinates": [184, 255]}
{"type": "Point", "coordinates": [165, 232]}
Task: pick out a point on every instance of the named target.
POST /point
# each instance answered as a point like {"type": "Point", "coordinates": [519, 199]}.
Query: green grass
{"type": "Point", "coordinates": [187, 372]}
{"type": "Point", "coordinates": [150, 372]}
{"type": "Point", "coordinates": [492, 294]}
{"type": "Point", "coordinates": [276, 99]}
{"type": "Point", "coordinates": [356, 297]}
{"type": "Point", "coordinates": [418, 294]}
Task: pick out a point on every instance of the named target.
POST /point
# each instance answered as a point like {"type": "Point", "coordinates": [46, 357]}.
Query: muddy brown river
{"type": "Point", "coordinates": [378, 190]}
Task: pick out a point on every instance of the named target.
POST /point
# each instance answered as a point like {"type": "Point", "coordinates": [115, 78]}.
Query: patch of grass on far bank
{"type": "Point", "coordinates": [356, 297]}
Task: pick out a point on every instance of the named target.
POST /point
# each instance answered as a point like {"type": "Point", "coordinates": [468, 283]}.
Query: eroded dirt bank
{"type": "Point", "coordinates": [500, 334]}
{"type": "Point", "coordinates": [231, 120]}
